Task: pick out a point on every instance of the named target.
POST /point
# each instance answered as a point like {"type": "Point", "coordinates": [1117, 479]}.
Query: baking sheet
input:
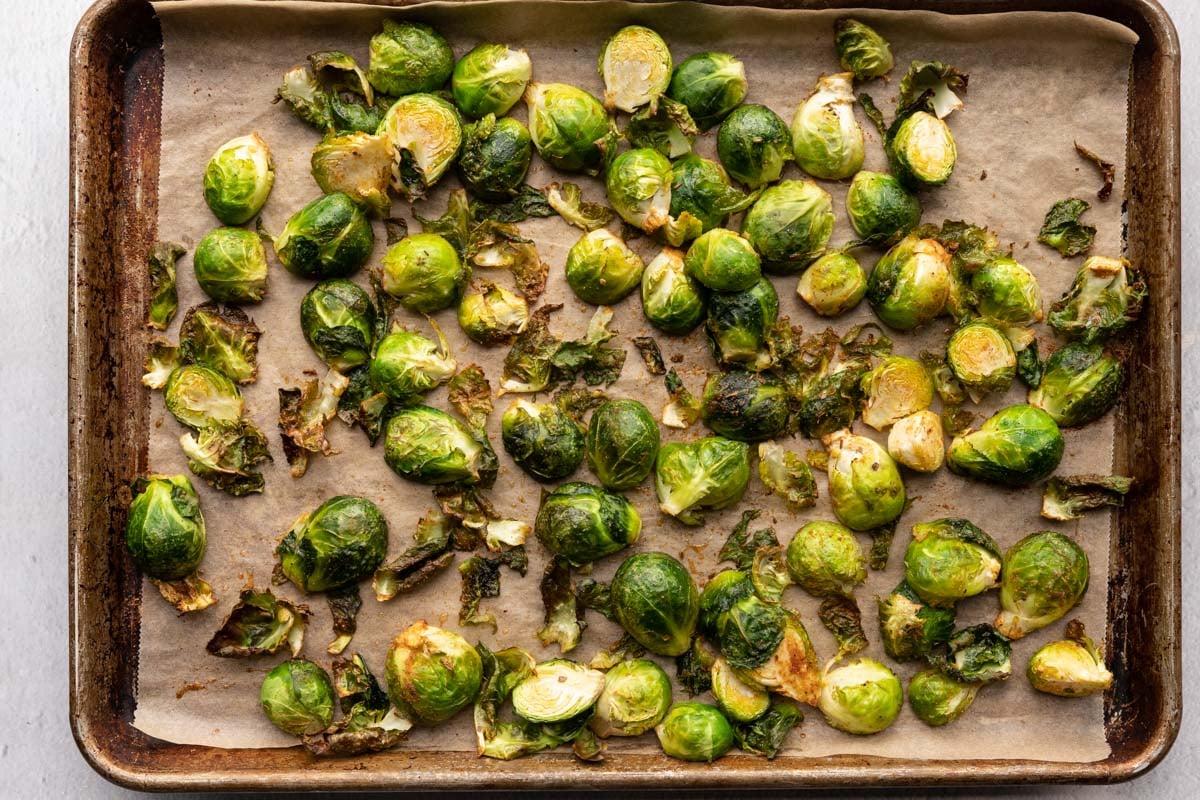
{"type": "Point", "coordinates": [1038, 82]}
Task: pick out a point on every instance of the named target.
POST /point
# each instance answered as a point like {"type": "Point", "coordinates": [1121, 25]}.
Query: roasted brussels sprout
{"type": "Point", "coordinates": [655, 600]}
{"type": "Point", "coordinates": [584, 523]}
{"type": "Point", "coordinates": [739, 323]}
{"type": "Point", "coordinates": [635, 63]}
{"type": "Point", "coordinates": [407, 57]}
{"type": "Point", "coordinates": [231, 266]}
{"type": "Point", "coordinates": [710, 85]}
{"type": "Point", "coordinates": [908, 627]}
{"type": "Point", "coordinates": [1017, 446]}
{"type": "Point", "coordinates": [720, 594]}
{"type": "Point", "coordinates": [916, 441]}
{"type": "Point", "coordinates": [343, 540]}
{"type": "Point", "coordinates": [238, 179]}
{"type": "Point", "coordinates": [982, 358]}
{"type": "Point", "coordinates": [542, 439]}
{"type": "Point", "coordinates": [601, 269]}
{"type": "Point", "coordinates": [200, 397]}
{"type": "Point", "coordinates": [897, 387]}
{"type": "Point", "coordinates": [1006, 292]}
{"type": "Point", "coordinates": [951, 559]}
{"type": "Point", "coordinates": [723, 261]}
{"type": "Point", "coordinates": [672, 300]}
{"type": "Point", "coordinates": [424, 273]}
{"type": "Point", "coordinates": [1105, 298]}
{"type": "Point", "coordinates": [165, 530]}
{"type": "Point", "coordinates": [880, 209]}
{"type": "Point", "coordinates": [1070, 667]}
{"type": "Point", "coordinates": [701, 188]}
{"type": "Point", "coordinates": [358, 165]}
{"type": "Point", "coordinates": [1080, 383]}
{"type": "Point", "coordinates": [1067, 497]}
{"type": "Point", "coordinates": [426, 445]}
{"type": "Point", "coordinates": [636, 697]}
{"type": "Point", "coordinates": [709, 473]}
{"type": "Point", "coordinates": [739, 701]}
{"type": "Point", "coordinates": [833, 285]}
{"type": "Point", "coordinates": [745, 406]}
{"type": "Point", "coordinates": [338, 321]}
{"type": "Point", "coordinates": [978, 654]}
{"type": "Point", "coordinates": [639, 188]}
{"type": "Point", "coordinates": [557, 691]}
{"type": "Point", "coordinates": [221, 338]}
{"type": "Point", "coordinates": [825, 559]}
{"type": "Point", "coordinates": [790, 225]}
{"type": "Point", "coordinates": [570, 128]}
{"type": "Point", "coordinates": [407, 366]}
{"type": "Point", "coordinates": [432, 674]}
{"type": "Point", "coordinates": [490, 79]}
{"type": "Point", "coordinates": [826, 138]}
{"type": "Point", "coordinates": [754, 145]}
{"type": "Point", "coordinates": [786, 474]}
{"type": "Point", "coordinates": [695, 732]}
{"type": "Point", "coordinates": [493, 314]}
{"type": "Point", "coordinates": [330, 237]}
{"type": "Point", "coordinates": [861, 50]}
{"type": "Point", "coordinates": [495, 157]}
{"type": "Point", "coordinates": [622, 443]}
{"type": "Point", "coordinates": [921, 150]}
{"type": "Point", "coordinates": [911, 283]}
{"type": "Point", "coordinates": [861, 697]}
{"type": "Point", "coordinates": [865, 489]}
{"type": "Point", "coordinates": [426, 135]}
{"type": "Point", "coordinates": [1044, 576]}
{"type": "Point", "coordinates": [769, 647]}
{"type": "Point", "coordinates": [938, 700]}
{"type": "Point", "coordinates": [297, 697]}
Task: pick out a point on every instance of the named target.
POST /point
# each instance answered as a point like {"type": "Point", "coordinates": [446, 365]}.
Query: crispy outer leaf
{"type": "Point", "coordinates": [528, 202]}
{"type": "Point", "coordinates": [161, 361]}
{"type": "Point", "coordinates": [304, 413]}
{"type": "Point", "coordinates": [480, 580]}
{"type": "Point", "coordinates": [1108, 170]}
{"type": "Point", "coordinates": [567, 200]}
{"type": "Point", "coordinates": [1066, 497]}
{"type": "Point", "coordinates": [355, 685]}
{"type": "Point", "coordinates": [1063, 231]}
{"type": "Point", "coordinates": [260, 624]}
{"type": "Point", "coordinates": [842, 617]}
{"type": "Point", "coordinates": [765, 736]}
{"type": "Point", "coordinates": [786, 474]}
{"type": "Point", "coordinates": [651, 355]}
{"type": "Point", "coordinates": [682, 408]}
{"type": "Point", "coordinates": [223, 338]}
{"type": "Point", "coordinates": [226, 456]}
{"type": "Point", "coordinates": [741, 545]}
{"type": "Point", "coordinates": [691, 672]}
{"type": "Point", "coordinates": [931, 84]}
{"type": "Point", "coordinates": [164, 299]}
{"type": "Point", "coordinates": [563, 617]}
{"type": "Point", "coordinates": [1030, 366]}
{"type": "Point", "coordinates": [623, 650]}
{"type": "Point", "coordinates": [430, 555]}
{"type": "Point", "coordinates": [344, 605]}
{"type": "Point", "coordinates": [471, 395]}
{"type": "Point", "coordinates": [881, 544]}
{"type": "Point", "coordinates": [593, 594]}
{"type": "Point", "coordinates": [190, 593]}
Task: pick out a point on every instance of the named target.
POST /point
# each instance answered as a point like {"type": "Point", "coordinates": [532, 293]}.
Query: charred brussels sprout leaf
{"type": "Point", "coordinates": [490, 79]}
{"type": "Point", "coordinates": [739, 325]}
{"type": "Point", "coordinates": [563, 622]}
{"type": "Point", "coordinates": [297, 697]}
{"type": "Point", "coordinates": [601, 269]}
{"type": "Point", "coordinates": [978, 654]}
{"type": "Point", "coordinates": [790, 225]}
{"type": "Point", "coordinates": [721, 593]}
{"type": "Point", "coordinates": [1079, 384]}
{"type": "Point", "coordinates": [741, 545]}
{"type": "Point", "coordinates": [226, 454]}
{"type": "Point", "coordinates": [693, 669]}
{"type": "Point", "coordinates": [1107, 169]}
{"type": "Point", "coordinates": [341, 541]}
{"type": "Point", "coordinates": [567, 201]}
{"type": "Point", "coordinates": [428, 556]}
{"type": "Point", "coordinates": [330, 237]}
{"type": "Point", "coordinates": [786, 474]}
{"type": "Point", "coordinates": [539, 359]}
{"type": "Point", "coordinates": [231, 266]}
{"type": "Point", "coordinates": [937, 699]}
{"type": "Point", "coordinates": [881, 210]}
{"type": "Point", "coordinates": [1105, 298]}
{"type": "Point", "coordinates": [861, 50]}
{"type": "Point", "coordinates": [407, 365]}
{"type": "Point", "coordinates": [221, 338]}
{"type": "Point", "coordinates": [949, 560]}
{"type": "Point", "coordinates": [480, 580]}
{"type": "Point", "coordinates": [622, 443]}
{"type": "Point", "coordinates": [842, 617]}
{"type": "Point", "coordinates": [165, 529]}
{"type": "Point", "coordinates": [1067, 497]}
{"type": "Point", "coordinates": [862, 697]}
{"type": "Point", "coordinates": [369, 724]}
{"type": "Point", "coordinates": [1070, 667]}
{"type": "Point", "coordinates": [432, 674]}
{"type": "Point", "coordinates": [1063, 231]}
{"type": "Point", "coordinates": [666, 127]}
{"type": "Point", "coordinates": [358, 165]}
{"type": "Point", "coordinates": [682, 408]}
{"type": "Point", "coordinates": [583, 523]}
{"type": "Point", "coordinates": [751, 632]}
{"type": "Point", "coordinates": [427, 445]}
{"type": "Point", "coordinates": [260, 624]}
{"type": "Point", "coordinates": [164, 298]}
{"type": "Point", "coordinates": [337, 318]}
{"type": "Point", "coordinates": [765, 736]}
{"type": "Point", "coordinates": [495, 157]}
{"type": "Point", "coordinates": [826, 137]}
{"type": "Point", "coordinates": [1016, 446]}
{"type": "Point", "coordinates": [471, 396]}
{"type": "Point", "coordinates": [1044, 576]}
{"type": "Point", "coordinates": [161, 360]}
{"type": "Point", "coordinates": [636, 697]}
{"type": "Point", "coordinates": [908, 627]}
{"type": "Point", "coordinates": [656, 602]}
{"type": "Point", "coordinates": [635, 63]}
{"type": "Point", "coordinates": [865, 488]}
{"type": "Point", "coordinates": [695, 732]}
{"type": "Point", "coordinates": [710, 85]}
{"type": "Point", "coordinates": [570, 128]}
{"type": "Point", "coordinates": [1030, 366]}
{"type": "Point", "coordinates": [910, 285]}
{"type": "Point", "coordinates": [754, 145]}
{"type": "Point", "coordinates": [709, 473]}
{"type": "Point", "coordinates": [825, 559]}
{"type": "Point", "coordinates": [238, 179]}
{"type": "Point", "coordinates": [932, 84]}
{"type": "Point", "coordinates": [408, 57]}
{"type": "Point", "coordinates": [744, 406]}
{"type": "Point", "coordinates": [542, 439]}
{"type": "Point", "coordinates": [303, 415]}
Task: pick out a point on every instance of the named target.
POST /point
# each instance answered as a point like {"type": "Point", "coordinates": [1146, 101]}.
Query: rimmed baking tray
{"type": "Point", "coordinates": [116, 87]}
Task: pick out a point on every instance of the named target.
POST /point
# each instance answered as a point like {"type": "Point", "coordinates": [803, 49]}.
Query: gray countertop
{"type": "Point", "coordinates": [37, 755]}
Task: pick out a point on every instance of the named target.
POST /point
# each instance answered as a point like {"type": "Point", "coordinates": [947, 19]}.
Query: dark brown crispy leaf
{"type": "Point", "coordinates": [563, 618]}
{"type": "Point", "coordinates": [1108, 170]}
{"type": "Point", "coordinates": [260, 624]}
{"type": "Point", "coordinates": [186, 594]}
{"type": "Point", "coordinates": [471, 395]}
{"type": "Point", "coordinates": [344, 605]}
{"type": "Point", "coordinates": [842, 617]}
{"type": "Point", "coordinates": [651, 355]}
{"type": "Point", "coordinates": [480, 580]}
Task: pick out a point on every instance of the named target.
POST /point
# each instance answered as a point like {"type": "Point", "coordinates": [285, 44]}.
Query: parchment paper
{"type": "Point", "coordinates": [1038, 82]}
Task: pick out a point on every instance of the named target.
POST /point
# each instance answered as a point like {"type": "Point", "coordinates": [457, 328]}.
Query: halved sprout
{"type": "Point", "coordinates": [407, 366]}
{"type": "Point", "coordinates": [826, 138]}
{"type": "Point", "coordinates": [1045, 576]}
{"type": "Point", "coordinates": [493, 314]}
{"type": "Point", "coordinates": [911, 283]}
{"type": "Point", "coordinates": [1070, 667]}
{"type": "Point", "coordinates": [424, 273]}
{"type": "Point", "coordinates": [357, 164]}
{"type": "Point", "coordinates": [938, 700]}
{"type": "Point", "coordinates": [1016, 446]}
{"type": "Point", "coordinates": [672, 300]}
{"type": "Point", "coordinates": [200, 397]}
{"type": "Point", "coordinates": [861, 697]}
{"type": "Point", "coordinates": [746, 406]}
{"type": "Point", "coordinates": [297, 697]}
{"type": "Point", "coordinates": [425, 134]}
{"type": "Point", "coordinates": [917, 442]}
{"type": "Point", "coordinates": [922, 150]}
{"type": "Point", "coordinates": [238, 179]}
{"type": "Point", "coordinates": [740, 323]}
{"type": "Point", "coordinates": [709, 473]}
{"type": "Point", "coordinates": [740, 701]}
{"type": "Point", "coordinates": [636, 697]}
{"type": "Point", "coordinates": [490, 79]}
{"type": "Point", "coordinates": [834, 284]}
{"type": "Point", "coordinates": [897, 387]}
{"type": "Point", "coordinates": [570, 128]}
{"type": "Point", "coordinates": [557, 690]}
{"type": "Point", "coordinates": [865, 488]}
{"type": "Point", "coordinates": [1080, 383]}
{"type": "Point", "coordinates": [639, 188]}
{"type": "Point", "coordinates": [790, 225]}
{"type": "Point", "coordinates": [601, 269]}
{"type": "Point", "coordinates": [543, 439]}
{"type": "Point", "coordinates": [982, 358]}
{"type": "Point", "coordinates": [655, 600]}
{"type": "Point", "coordinates": [635, 63]}
{"type": "Point", "coordinates": [825, 559]}
{"type": "Point", "coordinates": [949, 560]}
{"type": "Point", "coordinates": [754, 145]}
{"type": "Point", "coordinates": [723, 261]}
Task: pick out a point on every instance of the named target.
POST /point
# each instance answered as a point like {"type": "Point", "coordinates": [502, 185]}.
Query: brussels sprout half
{"type": "Point", "coordinates": [1007, 292]}
{"type": "Point", "coordinates": [672, 300]}
{"type": "Point", "coordinates": [297, 697]}
{"type": "Point", "coordinates": [635, 63]}
{"type": "Point", "coordinates": [427, 445]}
{"type": "Point", "coordinates": [639, 188]}
{"type": "Point", "coordinates": [1107, 295]}
{"type": "Point", "coordinates": [865, 489]}
{"type": "Point", "coordinates": [622, 443]}
{"type": "Point", "coordinates": [557, 691]}
{"type": "Point", "coordinates": [921, 150]}
{"type": "Point", "coordinates": [910, 629]}
{"type": "Point", "coordinates": [769, 647]}
{"type": "Point", "coordinates": [407, 366]}
{"type": "Point", "coordinates": [917, 442]}
{"type": "Point", "coordinates": [424, 273]}
{"type": "Point", "coordinates": [584, 523]}
{"type": "Point", "coordinates": [938, 700]}
{"type": "Point", "coordinates": [165, 529]}
{"type": "Point", "coordinates": [426, 134]}
{"type": "Point", "coordinates": [655, 600]}
{"type": "Point", "coordinates": [710, 85]}
{"type": "Point", "coordinates": [490, 79]}
{"type": "Point", "coordinates": [341, 541]}
{"type": "Point", "coordinates": [493, 314]}
{"type": "Point", "coordinates": [542, 439]}
{"type": "Point", "coordinates": [358, 165]}
{"type": "Point", "coordinates": [231, 266]}
{"type": "Point", "coordinates": [862, 697]}
{"type": "Point", "coordinates": [570, 128]}
{"type": "Point", "coordinates": [407, 57]}
{"type": "Point", "coordinates": [861, 50]}
{"type": "Point", "coordinates": [949, 560]}
{"type": "Point", "coordinates": [880, 209]}
{"type": "Point", "coordinates": [754, 145]}
{"type": "Point", "coordinates": [709, 473]}
{"type": "Point", "coordinates": [1080, 383]}
{"type": "Point", "coordinates": [238, 179]}
{"type": "Point", "coordinates": [602, 269]}
{"type": "Point", "coordinates": [739, 324]}
{"type": "Point", "coordinates": [897, 387]}
{"type": "Point", "coordinates": [432, 674]}
{"type": "Point", "coordinates": [636, 697]}
{"type": "Point", "coordinates": [982, 358]}
{"type": "Point", "coordinates": [744, 406]}
{"type": "Point", "coordinates": [911, 283]}
{"type": "Point", "coordinates": [495, 157]}
{"type": "Point", "coordinates": [1044, 576]}
{"type": "Point", "coordinates": [695, 732]}
{"type": "Point", "coordinates": [825, 559]}
{"type": "Point", "coordinates": [826, 138]}
{"type": "Point", "coordinates": [337, 318]}
{"type": "Point", "coordinates": [1016, 446]}
{"type": "Point", "coordinates": [720, 594]}
{"type": "Point", "coordinates": [739, 701]}
{"type": "Point", "coordinates": [1070, 667]}
{"type": "Point", "coordinates": [723, 261]}
{"type": "Point", "coordinates": [790, 225]}
{"type": "Point", "coordinates": [200, 397]}
{"type": "Point", "coordinates": [701, 188]}
{"type": "Point", "coordinates": [834, 284]}
{"type": "Point", "coordinates": [330, 237]}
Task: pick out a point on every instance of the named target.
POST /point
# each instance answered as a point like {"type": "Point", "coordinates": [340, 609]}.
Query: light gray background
{"type": "Point", "coordinates": [37, 755]}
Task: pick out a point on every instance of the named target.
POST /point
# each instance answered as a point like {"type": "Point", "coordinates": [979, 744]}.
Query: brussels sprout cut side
{"type": "Point", "coordinates": [917, 442]}
{"type": "Point", "coordinates": [921, 151]}
{"type": "Point", "coordinates": [426, 134]}
{"type": "Point", "coordinates": [754, 145]}
{"type": "Point", "coordinates": [833, 285]}
{"type": "Point", "coordinates": [865, 488]}
{"type": "Point", "coordinates": [297, 697]}
{"type": "Point", "coordinates": [861, 697]}
{"type": "Point", "coordinates": [490, 79]}
{"type": "Point", "coordinates": [584, 523]}
{"type": "Point", "coordinates": [1080, 383]}
{"type": "Point", "coordinates": [672, 300]}
{"type": "Point", "coordinates": [655, 600]}
{"type": "Point", "coordinates": [492, 315]}
{"type": "Point", "coordinates": [1017, 446]}
{"type": "Point", "coordinates": [622, 443]}
{"type": "Point", "coordinates": [238, 179]}
{"type": "Point", "coordinates": [407, 57]}
{"type": "Point", "coordinates": [1070, 667]}
{"type": "Point", "coordinates": [338, 321]}
{"type": "Point", "coordinates": [982, 358]}
{"type": "Point", "coordinates": [897, 387]}
{"type": "Point", "coordinates": [432, 674]}
{"type": "Point", "coordinates": [358, 165]}
{"type": "Point", "coordinates": [739, 701]}
{"type": "Point", "coordinates": [200, 397]}
{"type": "Point", "coordinates": [710, 85]}
{"type": "Point", "coordinates": [557, 691]}
{"type": "Point", "coordinates": [695, 732]}
{"type": "Point", "coordinates": [231, 266]}
{"type": "Point", "coordinates": [635, 64]}
{"type": "Point", "coordinates": [340, 542]}
{"type": "Point", "coordinates": [636, 697]}
{"type": "Point", "coordinates": [601, 269]}
{"type": "Point", "coordinates": [1045, 576]}
{"type": "Point", "coordinates": [826, 138]}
